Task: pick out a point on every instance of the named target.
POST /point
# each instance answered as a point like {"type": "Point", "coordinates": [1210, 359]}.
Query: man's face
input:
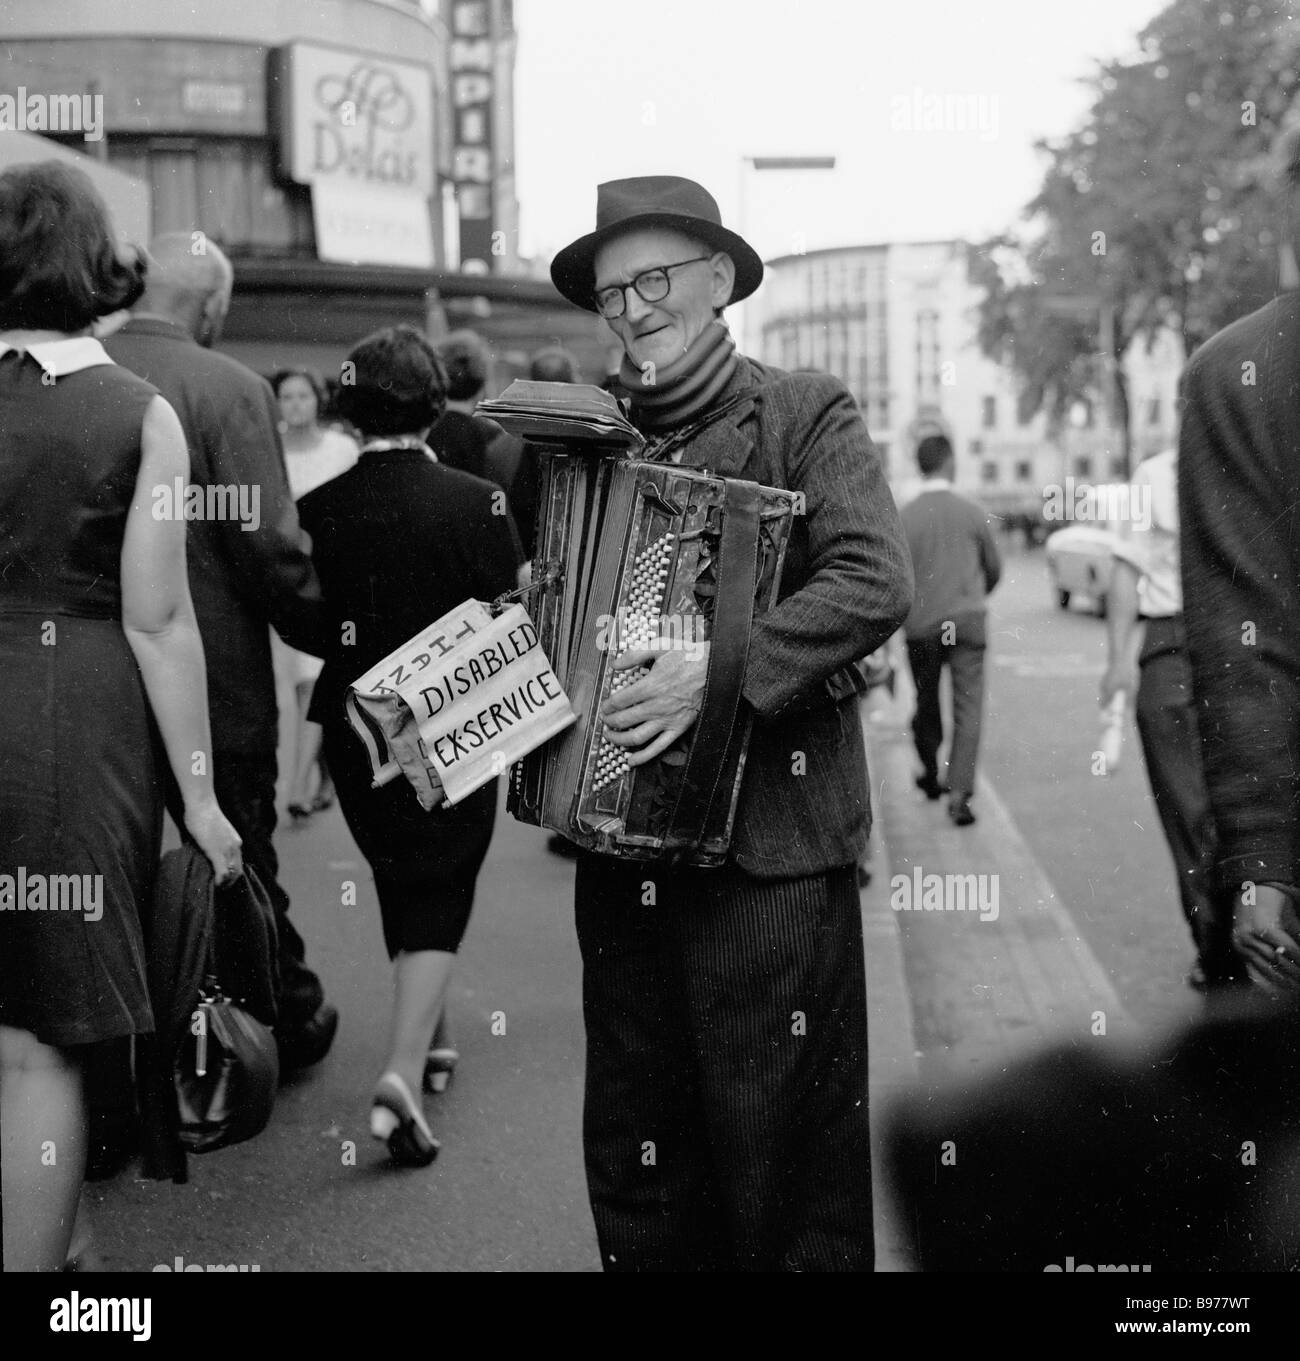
{"type": "Point", "coordinates": [659, 332]}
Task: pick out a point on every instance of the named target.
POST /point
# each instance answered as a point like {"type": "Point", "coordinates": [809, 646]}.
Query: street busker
{"type": "Point", "coordinates": [726, 1122]}
{"type": "Point", "coordinates": [399, 540]}
{"type": "Point", "coordinates": [98, 643]}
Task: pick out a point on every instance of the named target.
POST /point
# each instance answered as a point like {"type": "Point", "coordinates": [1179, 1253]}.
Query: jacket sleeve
{"type": "Point", "coordinates": [270, 560]}
{"type": "Point", "coordinates": [1240, 610]}
{"type": "Point", "coordinates": [859, 584]}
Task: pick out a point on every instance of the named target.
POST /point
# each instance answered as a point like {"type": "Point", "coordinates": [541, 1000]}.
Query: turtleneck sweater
{"type": "Point", "coordinates": [685, 389]}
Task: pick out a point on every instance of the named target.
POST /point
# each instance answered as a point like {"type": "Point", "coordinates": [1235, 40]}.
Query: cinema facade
{"type": "Point", "coordinates": [354, 158]}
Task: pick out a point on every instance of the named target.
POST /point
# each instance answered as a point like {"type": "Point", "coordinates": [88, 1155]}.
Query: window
{"type": "Point", "coordinates": [1153, 411]}
{"type": "Point", "coordinates": [1117, 466]}
{"type": "Point", "coordinates": [976, 447]}
{"type": "Point", "coordinates": [990, 416]}
{"type": "Point", "coordinates": [989, 472]}
{"type": "Point", "coordinates": [1024, 471]}
{"type": "Point", "coordinates": [1083, 467]}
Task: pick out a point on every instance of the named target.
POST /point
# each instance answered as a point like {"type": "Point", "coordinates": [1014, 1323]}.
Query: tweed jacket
{"type": "Point", "coordinates": [846, 587]}
{"type": "Point", "coordinates": [241, 579]}
{"type": "Point", "coordinates": [1239, 513]}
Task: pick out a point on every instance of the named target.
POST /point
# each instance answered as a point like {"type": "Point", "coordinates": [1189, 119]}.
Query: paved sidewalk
{"type": "Point", "coordinates": [982, 990]}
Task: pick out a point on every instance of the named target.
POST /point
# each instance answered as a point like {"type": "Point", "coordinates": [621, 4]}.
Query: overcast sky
{"type": "Point", "coordinates": [606, 89]}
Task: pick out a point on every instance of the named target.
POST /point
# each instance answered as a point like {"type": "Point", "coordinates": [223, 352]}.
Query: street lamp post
{"type": "Point", "coordinates": [769, 163]}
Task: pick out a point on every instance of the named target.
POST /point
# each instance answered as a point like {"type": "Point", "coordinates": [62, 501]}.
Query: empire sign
{"type": "Point", "coordinates": [472, 52]}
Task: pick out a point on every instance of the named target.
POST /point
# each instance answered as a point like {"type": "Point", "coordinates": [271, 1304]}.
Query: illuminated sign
{"type": "Point", "coordinates": [350, 118]}
{"type": "Point", "coordinates": [472, 55]}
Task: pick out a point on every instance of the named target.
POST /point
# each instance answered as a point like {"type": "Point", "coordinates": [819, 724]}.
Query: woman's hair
{"type": "Point", "coordinates": [466, 358]}
{"type": "Point", "coordinates": [393, 383]}
{"type": "Point", "coordinates": [308, 376]}
{"type": "Point", "coordinates": [59, 262]}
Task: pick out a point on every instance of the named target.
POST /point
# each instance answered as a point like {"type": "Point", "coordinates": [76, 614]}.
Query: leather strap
{"type": "Point", "coordinates": [733, 613]}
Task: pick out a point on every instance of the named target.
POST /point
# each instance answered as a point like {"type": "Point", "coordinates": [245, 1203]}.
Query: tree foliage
{"type": "Point", "coordinates": [1163, 206]}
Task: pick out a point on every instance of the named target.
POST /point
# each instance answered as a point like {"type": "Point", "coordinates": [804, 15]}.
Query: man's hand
{"type": "Point", "coordinates": [652, 713]}
{"type": "Point", "coordinates": [1266, 934]}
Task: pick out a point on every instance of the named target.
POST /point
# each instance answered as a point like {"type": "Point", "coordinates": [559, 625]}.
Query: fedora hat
{"type": "Point", "coordinates": [652, 201]}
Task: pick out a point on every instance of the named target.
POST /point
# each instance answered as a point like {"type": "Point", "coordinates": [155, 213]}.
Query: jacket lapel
{"type": "Point", "coordinates": [725, 447]}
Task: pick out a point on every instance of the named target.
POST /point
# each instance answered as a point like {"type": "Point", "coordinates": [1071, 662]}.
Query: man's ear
{"type": "Point", "coordinates": [724, 277]}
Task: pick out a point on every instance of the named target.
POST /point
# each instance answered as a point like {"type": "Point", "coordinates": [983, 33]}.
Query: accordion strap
{"type": "Point", "coordinates": [733, 613]}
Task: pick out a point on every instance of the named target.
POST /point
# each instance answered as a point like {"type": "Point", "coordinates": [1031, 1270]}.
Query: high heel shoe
{"type": "Point", "coordinates": [439, 1069]}
{"type": "Point", "coordinates": [397, 1120]}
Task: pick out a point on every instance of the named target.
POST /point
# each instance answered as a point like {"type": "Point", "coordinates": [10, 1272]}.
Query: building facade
{"type": "Point", "coordinates": [354, 158]}
{"type": "Point", "coordinates": [897, 323]}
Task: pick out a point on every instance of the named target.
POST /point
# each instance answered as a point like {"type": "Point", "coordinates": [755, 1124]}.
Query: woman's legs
{"type": "Point", "coordinates": [306, 746]}
{"type": "Point", "coordinates": [421, 978]}
{"type": "Point", "coordinates": [42, 1149]}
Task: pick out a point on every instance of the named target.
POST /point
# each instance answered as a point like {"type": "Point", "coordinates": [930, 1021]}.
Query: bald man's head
{"type": "Point", "coordinates": [189, 283]}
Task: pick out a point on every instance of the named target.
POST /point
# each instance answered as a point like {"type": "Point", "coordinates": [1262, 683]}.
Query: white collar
{"type": "Point", "coordinates": [935, 484]}
{"type": "Point", "coordinates": [61, 357]}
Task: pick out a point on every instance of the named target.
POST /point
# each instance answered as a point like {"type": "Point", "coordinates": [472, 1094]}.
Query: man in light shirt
{"type": "Point", "coordinates": [1148, 659]}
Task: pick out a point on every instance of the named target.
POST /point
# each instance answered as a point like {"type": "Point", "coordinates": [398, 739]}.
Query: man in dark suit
{"type": "Point", "coordinates": [956, 563]}
{"type": "Point", "coordinates": [247, 570]}
{"type": "Point", "coordinates": [1239, 508]}
{"type": "Point", "coordinates": [726, 1114]}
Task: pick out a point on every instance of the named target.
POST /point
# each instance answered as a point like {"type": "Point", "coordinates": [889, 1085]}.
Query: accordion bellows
{"type": "Point", "coordinates": [639, 551]}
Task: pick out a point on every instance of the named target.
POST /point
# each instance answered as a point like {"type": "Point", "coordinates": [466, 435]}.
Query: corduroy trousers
{"type": "Point", "coordinates": [725, 1122]}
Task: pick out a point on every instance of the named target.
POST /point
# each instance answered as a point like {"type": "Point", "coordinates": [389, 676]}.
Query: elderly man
{"type": "Point", "coordinates": [726, 1103]}
{"type": "Point", "coordinates": [245, 573]}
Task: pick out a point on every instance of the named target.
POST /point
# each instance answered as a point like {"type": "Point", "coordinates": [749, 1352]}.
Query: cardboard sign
{"type": "Point", "coordinates": [464, 699]}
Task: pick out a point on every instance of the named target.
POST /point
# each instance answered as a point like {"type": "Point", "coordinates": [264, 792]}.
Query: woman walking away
{"type": "Point", "coordinates": [398, 542]}
{"type": "Point", "coordinates": [96, 629]}
{"type": "Point", "coordinates": [313, 454]}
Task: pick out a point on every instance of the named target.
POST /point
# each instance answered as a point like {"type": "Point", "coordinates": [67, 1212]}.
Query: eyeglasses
{"type": "Point", "coordinates": [651, 285]}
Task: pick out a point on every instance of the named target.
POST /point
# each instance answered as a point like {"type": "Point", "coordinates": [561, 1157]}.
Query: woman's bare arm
{"type": "Point", "coordinates": [158, 620]}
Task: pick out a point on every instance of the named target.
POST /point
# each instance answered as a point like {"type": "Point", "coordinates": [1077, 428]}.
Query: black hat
{"type": "Point", "coordinates": [652, 201]}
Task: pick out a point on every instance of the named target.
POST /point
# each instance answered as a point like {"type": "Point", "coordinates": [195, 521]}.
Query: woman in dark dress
{"type": "Point", "coordinates": [397, 541]}
{"type": "Point", "coordinates": [96, 628]}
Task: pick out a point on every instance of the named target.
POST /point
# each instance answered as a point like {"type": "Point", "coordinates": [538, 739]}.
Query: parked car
{"type": "Point", "coordinates": [1079, 562]}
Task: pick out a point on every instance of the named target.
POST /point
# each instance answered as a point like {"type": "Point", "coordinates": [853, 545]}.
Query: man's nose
{"type": "Point", "coordinates": [636, 305]}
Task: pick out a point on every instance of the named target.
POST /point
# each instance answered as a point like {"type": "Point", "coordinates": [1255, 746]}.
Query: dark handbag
{"type": "Point", "coordinates": [227, 1071]}
{"type": "Point", "coordinates": [227, 1063]}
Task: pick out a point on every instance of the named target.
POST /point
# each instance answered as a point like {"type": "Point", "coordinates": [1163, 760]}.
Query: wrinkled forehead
{"type": "Point", "coordinates": [624, 257]}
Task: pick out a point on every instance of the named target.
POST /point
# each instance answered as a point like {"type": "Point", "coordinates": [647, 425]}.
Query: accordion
{"type": "Point", "coordinates": [630, 551]}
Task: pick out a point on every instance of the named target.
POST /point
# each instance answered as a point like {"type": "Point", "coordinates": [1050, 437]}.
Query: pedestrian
{"type": "Point", "coordinates": [956, 563]}
{"type": "Point", "coordinates": [98, 643]}
{"type": "Point", "coordinates": [247, 568]}
{"type": "Point", "coordinates": [1147, 661]}
{"type": "Point", "coordinates": [398, 541]}
{"type": "Point", "coordinates": [1239, 509]}
{"type": "Point", "coordinates": [726, 1123]}
{"type": "Point", "coordinates": [461, 438]}
{"type": "Point", "coordinates": [314, 453]}
{"type": "Point", "coordinates": [514, 464]}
